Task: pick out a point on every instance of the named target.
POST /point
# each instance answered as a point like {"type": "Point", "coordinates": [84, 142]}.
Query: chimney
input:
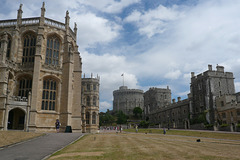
{"type": "Point", "coordinates": [179, 99]}
{"type": "Point", "coordinates": [220, 68]}
{"type": "Point", "coordinates": [192, 74]}
{"type": "Point", "coordinates": [210, 67]}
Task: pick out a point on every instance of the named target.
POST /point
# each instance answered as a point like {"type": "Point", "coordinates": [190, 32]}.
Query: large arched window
{"type": "Point", "coordinates": [25, 86]}
{"type": "Point", "coordinates": [87, 117]}
{"type": "Point", "coordinates": [94, 117]}
{"type": "Point", "coordinates": [49, 94]}
{"type": "Point", "coordinates": [9, 47]}
{"type": "Point", "coordinates": [52, 51]}
{"type": "Point", "coordinates": [29, 48]}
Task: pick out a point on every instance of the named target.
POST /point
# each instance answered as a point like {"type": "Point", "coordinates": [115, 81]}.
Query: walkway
{"type": "Point", "coordinates": [39, 148]}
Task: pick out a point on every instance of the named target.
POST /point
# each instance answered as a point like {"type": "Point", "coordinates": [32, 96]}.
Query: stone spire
{"type": "Point", "coordinates": [67, 19]}
{"type": "Point", "coordinates": [42, 18]}
{"type": "Point", "coordinates": [19, 15]}
{"type": "Point", "coordinates": [43, 10]}
{"type": "Point", "coordinates": [75, 28]}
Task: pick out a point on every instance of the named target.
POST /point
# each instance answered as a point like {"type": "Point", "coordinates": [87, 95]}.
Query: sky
{"type": "Point", "coordinates": [154, 43]}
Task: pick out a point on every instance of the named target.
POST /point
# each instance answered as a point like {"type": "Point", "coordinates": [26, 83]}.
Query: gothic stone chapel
{"type": "Point", "coordinates": [40, 74]}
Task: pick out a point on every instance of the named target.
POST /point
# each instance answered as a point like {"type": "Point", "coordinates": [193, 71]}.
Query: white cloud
{"type": "Point", "coordinates": [104, 106]}
{"type": "Point", "coordinates": [173, 74]}
{"type": "Point", "coordinates": [109, 68]}
{"type": "Point", "coordinates": [93, 29]}
{"type": "Point", "coordinates": [154, 21]}
{"type": "Point", "coordinates": [109, 6]}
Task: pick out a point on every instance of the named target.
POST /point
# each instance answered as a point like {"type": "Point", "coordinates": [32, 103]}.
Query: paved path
{"type": "Point", "coordinates": [38, 148]}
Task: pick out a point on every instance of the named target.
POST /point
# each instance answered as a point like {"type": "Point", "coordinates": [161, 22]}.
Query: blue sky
{"type": "Point", "coordinates": [155, 43]}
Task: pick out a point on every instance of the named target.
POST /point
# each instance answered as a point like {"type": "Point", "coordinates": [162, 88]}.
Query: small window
{"type": "Point", "coordinates": [88, 87]}
{"type": "Point", "coordinates": [222, 103]}
{"type": "Point", "coordinates": [87, 117]}
{"type": "Point", "coordinates": [94, 87]}
{"type": "Point", "coordinates": [88, 101]}
{"type": "Point", "coordinates": [238, 112]}
{"type": "Point", "coordinates": [94, 101]}
{"type": "Point", "coordinates": [223, 115]}
{"type": "Point", "coordinates": [94, 118]}
{"type": "Point", "coordinates": [9, 48]}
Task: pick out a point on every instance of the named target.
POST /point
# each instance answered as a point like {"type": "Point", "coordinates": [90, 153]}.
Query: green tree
{"type": "Point", "coordinates": [121, 118]}
{"type": "Point", "coordinates": [106, 119]}
{"type": "Point", "coordinates": [137, 111]}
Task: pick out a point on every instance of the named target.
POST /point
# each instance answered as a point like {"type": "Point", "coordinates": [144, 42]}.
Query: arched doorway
{"type": "Point", "coordinates": [16, 119]}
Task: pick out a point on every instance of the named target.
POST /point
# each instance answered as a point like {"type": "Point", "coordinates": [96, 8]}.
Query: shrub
{"type": "Point", "coordinates": [144, 124]}
{"type": "Point", "coordinates": [224, 125]}
{"type": "Point", "coordinates": [208, 125]}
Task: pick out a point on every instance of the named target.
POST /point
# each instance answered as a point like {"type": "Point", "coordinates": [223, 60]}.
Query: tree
{"type": "Point", "coordinates": [106, 119]}
{"type": "Point", "coordinates": [121, 118]}
{"type": "Point", "coordinates": [137, 111]}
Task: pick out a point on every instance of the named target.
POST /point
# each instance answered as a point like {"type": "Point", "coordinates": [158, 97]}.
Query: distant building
{"type": "Point", "coordinates": [90, 108]}
{"type": "Point", "coordinates": [228, 110]}
{"type": "Point", "coordinates": [126, 100]}
{"type": "Point", "coordinates": [212, 93]}
{"type": "Point", "coordinates": [208, 85]}
{"type": "Point", "coordinates": [174, 115]}
{"type": "Point", "coordinates": [156, 98]}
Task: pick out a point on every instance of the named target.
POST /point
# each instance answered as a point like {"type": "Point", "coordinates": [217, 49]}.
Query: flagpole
{"type": "Point", "coordinates": [123, 78]}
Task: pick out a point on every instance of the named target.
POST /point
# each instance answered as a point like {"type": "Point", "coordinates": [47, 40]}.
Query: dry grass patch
{"type": "Point", "coordinates": [205, 134]}
{"type": "Point", "coordinates": [12, 137]}
{"type": "Point", "coordinates": [141, 146]}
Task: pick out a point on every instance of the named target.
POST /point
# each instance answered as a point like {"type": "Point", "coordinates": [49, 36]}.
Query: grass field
{"type": "Point", "coordinates": [12, 137]}
{"type": "Point", "coordinates": [142, 146]}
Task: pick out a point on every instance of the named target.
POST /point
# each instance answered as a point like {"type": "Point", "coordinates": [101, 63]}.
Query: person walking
{"type": "Point", "coordinates": [57, 124]}
{"type": "Point", "coordinates": [136, 128]}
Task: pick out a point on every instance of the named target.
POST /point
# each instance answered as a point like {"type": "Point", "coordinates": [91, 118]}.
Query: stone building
{"type": "Point", "coordinates": [228, 110]}
{"type": "Point", "coordinates": [208, 85]}
{"type": "Point", "coordinates": [90, 108]}
{"type": "Point", "coordinates": [126, 100]}
{"type": "Point", "coordinates": [156, 98]}
{"type": "Point", "coordinates": [40, 69]}
{"type": "Point", "coordinates": [211, 92]}
{"type": "Point", "coordinates": [174, 115]}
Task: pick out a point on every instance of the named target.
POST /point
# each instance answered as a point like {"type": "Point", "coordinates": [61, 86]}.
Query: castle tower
{"type": "Point", "coordinates": [126, 100]}
{"type": "Point", "coordinates": [208, 85]}
{"type": "Point", "coordinates": [90, 104]}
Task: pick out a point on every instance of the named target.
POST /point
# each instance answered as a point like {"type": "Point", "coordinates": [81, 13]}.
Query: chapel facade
{"type": "Point", "coordinates": [40, 69]}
